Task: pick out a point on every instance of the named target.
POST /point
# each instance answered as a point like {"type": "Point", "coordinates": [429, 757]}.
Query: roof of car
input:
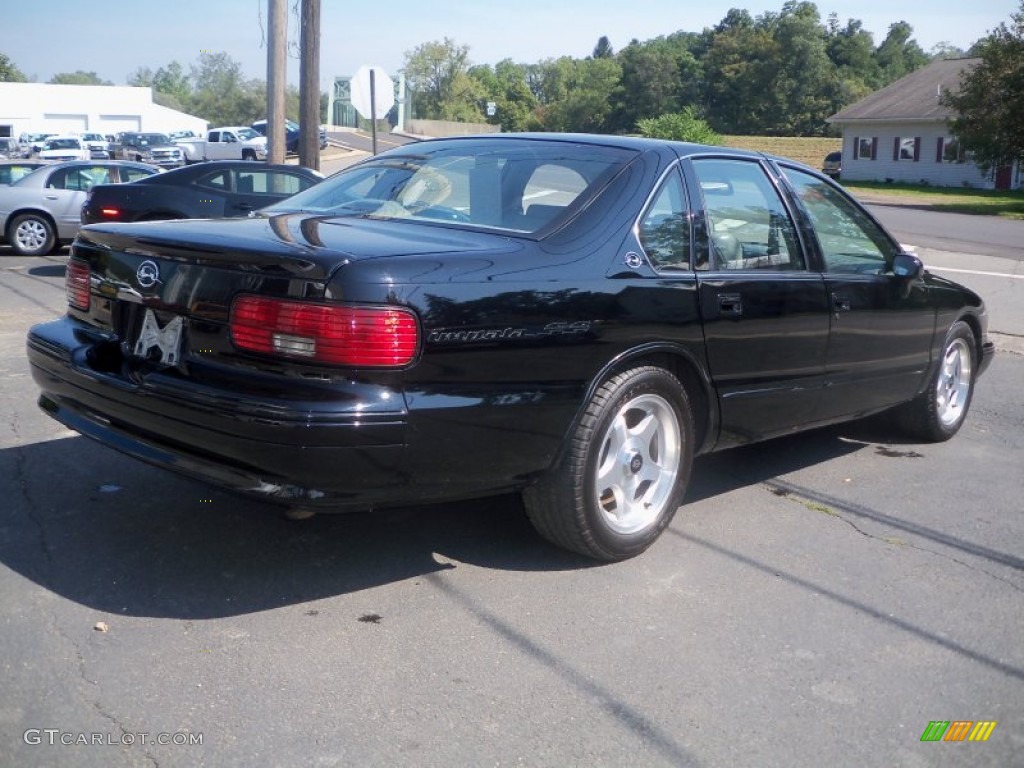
{"type": "Point", "coordinates": [639, 143]}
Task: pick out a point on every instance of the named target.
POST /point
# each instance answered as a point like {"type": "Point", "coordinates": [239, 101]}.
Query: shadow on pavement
{"type": "Point", "coordinates": [114, 534]}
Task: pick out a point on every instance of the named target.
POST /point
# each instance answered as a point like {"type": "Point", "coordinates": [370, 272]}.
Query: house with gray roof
{"type": "Point", "coordinates": [901, 133]}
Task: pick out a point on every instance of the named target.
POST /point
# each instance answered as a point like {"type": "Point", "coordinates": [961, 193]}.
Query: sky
{"type": "Point", "coordinates": [116, 37]}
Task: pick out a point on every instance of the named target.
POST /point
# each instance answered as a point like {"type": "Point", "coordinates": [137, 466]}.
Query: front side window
{"type": "Point", "coordinates": [748, 225]}
{"type": "Point", "coordinates": [131, 174]}
{"type": "Point", "coordinates": [664, 229]}
{"type": "Point", "coordinates": [850, 241]}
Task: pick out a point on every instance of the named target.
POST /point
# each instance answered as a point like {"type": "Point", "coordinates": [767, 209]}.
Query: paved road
{"type": "Point", "coordinates": [818, 601]}
{"type": "Point", "coordinates": [362, 142]}
{"type": "Point", "coordinates": [956, 232]}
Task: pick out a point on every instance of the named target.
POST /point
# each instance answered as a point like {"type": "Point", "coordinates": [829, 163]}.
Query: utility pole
{"type": "Point", "coordinates": [309, 85]}
{"type": "Point", "coordinates": [277, 28]}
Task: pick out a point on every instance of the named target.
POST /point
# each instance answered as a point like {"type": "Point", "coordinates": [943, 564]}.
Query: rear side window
{"type": "Point", "coordinates": [748, 225]}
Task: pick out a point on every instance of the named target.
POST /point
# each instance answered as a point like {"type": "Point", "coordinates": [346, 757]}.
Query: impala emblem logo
{"type": "Point", "coordinates": [634, 260]}
{"type": "Point", "coordinates": [148, 274]}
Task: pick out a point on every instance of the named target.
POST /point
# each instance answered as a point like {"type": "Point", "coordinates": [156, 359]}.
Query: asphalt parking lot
{"type": "Point", "coordinates": [819, 600]}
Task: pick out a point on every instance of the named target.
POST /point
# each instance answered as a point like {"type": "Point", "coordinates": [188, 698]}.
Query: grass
{"type": "Point", "coordinates": [976, 202]}
{"type": "Point", "coordinates": [809, 151]}
{"type": "Point", "coordinates": [812, 151]}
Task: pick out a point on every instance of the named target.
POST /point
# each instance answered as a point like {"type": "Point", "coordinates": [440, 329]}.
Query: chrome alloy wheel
{"type": "Point", "coordinates": [31, 234]}
{"type": "Point", "coordinates": [638, 463]}
{"type": "Point", "coordinates": [954, 384]}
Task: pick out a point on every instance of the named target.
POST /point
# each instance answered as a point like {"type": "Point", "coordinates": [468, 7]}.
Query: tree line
{"type": "Point", "coordinates": [779, 74]}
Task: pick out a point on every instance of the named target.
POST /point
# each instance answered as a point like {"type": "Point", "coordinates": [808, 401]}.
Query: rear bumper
{"type": "Point", "coordinates": [317, 451]}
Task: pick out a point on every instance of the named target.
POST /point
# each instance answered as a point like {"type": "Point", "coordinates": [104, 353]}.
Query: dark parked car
{"type": "Point", "coordinates": [152, 148]}
{"type": "Point", "coordinates": [42, 209]}
{"type": "Point", "coordinates": [218, 189]}
{"type": "Point", "coordinates": [571, 317]}
{"type": "Point", "coordinates": [291, 134]}
{"type": "Point", "coordinates": [833, 165]}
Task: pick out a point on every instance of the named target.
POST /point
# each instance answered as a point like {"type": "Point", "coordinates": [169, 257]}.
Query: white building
{"type": "Point", "coordinates": [901, 133]}
{"type": "Point", "coordinates": [105, 109]}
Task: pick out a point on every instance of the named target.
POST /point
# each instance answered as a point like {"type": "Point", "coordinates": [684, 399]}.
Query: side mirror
{"type": "Point", "coordinates": [907, 267]}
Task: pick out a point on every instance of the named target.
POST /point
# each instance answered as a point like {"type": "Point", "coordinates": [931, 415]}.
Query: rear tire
{"type": "Point", "coordinates": [32, 235]}
{"type": "Point", "coordinates": [625, 471]}
{"type": "Point", "coordinates": [938, 413]}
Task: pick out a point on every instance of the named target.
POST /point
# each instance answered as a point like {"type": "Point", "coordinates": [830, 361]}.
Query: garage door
{"type": "Point", "coordinates": [65, 123]}
{"type": "Point", "coordinates": [111, 124]}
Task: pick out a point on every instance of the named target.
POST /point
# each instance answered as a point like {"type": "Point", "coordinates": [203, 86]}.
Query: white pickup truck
{"type": "Point", "coordinates": [233, 143]}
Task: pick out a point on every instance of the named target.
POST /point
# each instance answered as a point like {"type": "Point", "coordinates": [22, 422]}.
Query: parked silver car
{"type": "Point", "coordinates": [43, 209]}
{"type": "Point", "coordinates": [12, 170]}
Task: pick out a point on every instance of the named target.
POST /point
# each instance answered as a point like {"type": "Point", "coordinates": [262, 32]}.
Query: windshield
{"type": "Point", "coordinates": [63, 144]}
{"type": "Point", "coordinates": [244, 134]}
{"type": "Point", "coordinates": [517, 185]}
{"type": "Point", "coordinates": [153, 139]}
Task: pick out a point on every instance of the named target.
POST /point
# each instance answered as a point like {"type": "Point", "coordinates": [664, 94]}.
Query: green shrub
{"type": "Point", "coordinates": [679, 126]}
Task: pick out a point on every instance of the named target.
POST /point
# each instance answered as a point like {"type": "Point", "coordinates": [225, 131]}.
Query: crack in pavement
{"type": "Point", "coordinates": [787, 492]}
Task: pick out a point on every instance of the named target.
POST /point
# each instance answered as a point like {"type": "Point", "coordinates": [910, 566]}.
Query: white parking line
{"type": "Point", "coordinates": [974, 272]}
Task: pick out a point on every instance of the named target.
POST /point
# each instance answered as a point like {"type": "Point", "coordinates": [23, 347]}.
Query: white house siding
{"type": "Point", "coordinates": [924, 170]}
{"type": "Point", "coordinates": [45, 107]}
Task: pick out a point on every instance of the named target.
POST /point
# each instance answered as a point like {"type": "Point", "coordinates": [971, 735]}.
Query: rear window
{"type": "Point", "coordinates": [522, 186]}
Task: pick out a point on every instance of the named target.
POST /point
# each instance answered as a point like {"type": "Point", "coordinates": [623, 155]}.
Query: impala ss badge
{"type": "Point", "coordinates": [557, 329]}
{"type": "Point", "coordinates": [148, 274]}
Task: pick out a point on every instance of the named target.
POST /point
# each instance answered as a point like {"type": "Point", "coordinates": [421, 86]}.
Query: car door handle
{"type": "Point", "coordinates": [730, 304]}
{"type": "Point", "coordinates": [50, 197]}
{"type": "Point", "coordinates": [840, 302]}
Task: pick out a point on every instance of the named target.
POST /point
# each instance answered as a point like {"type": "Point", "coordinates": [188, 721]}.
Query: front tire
{"type": "Point", "coordinates": [32, 235]}
{"type": "Point", "coordinates": [625, 471]}
{"type": "Point", "coordinates": [248, 154]}
{"type": "Point", "coordinates": [938, 413]}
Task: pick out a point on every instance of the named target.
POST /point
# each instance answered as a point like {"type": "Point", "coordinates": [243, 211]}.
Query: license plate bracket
{"type": "Point", "coordinates": [161, 345]}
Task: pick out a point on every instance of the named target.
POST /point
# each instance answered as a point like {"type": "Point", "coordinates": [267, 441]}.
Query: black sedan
{"type": "Point", "coordinates": [570, 317]}
{"type": "Point", "coordinates": [219, 189]}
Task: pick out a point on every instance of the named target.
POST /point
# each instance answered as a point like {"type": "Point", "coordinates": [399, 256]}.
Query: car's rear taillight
{"type": "Point", "coordinates": [110, 213]}
{"type": "Point", "coordinates": [364, 337]}
{"type": "Point", "coordinates": [76, 284]}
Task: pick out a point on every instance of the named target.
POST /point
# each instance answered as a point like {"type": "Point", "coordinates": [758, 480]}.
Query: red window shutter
{"type": "Point", "coordinates": [938, 149]}
{"type": "Point", "coordinates": [874, 148]}
{"type": "Point", "coordinates": [917, 148]}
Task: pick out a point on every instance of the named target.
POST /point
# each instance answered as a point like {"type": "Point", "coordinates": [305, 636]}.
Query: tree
{"type": "Point", "coordinates": [989, 105]}
{"type": "Point", "coordinates": [78, 77]}
{"type": "Point", "coordinates": [898, 55]}
{"type": "Point", "coordinates": [679, 126]}
{"type": "Point", "coordinates": [10, 73]}
{"type": "Point", "coordinates": [436, 74]}
{"type": "Point", "coordinates": [658, 77]}
{"type": "Point", "coordinates": [221, 95]}
{"type": "Point", "coordinates": [603, 49]}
